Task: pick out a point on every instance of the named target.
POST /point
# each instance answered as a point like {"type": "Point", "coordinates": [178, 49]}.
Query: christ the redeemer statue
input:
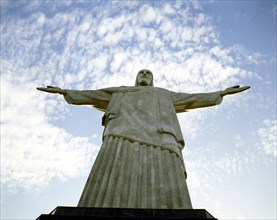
{"type": "Point", "coordinates": [140, 163]}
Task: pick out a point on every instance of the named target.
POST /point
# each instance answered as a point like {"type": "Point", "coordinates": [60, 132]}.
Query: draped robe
{"type": "Point", "coordinates": [140, 163]}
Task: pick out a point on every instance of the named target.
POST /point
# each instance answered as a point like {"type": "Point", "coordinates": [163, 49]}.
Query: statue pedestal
{"type": "Point", "coordinates": [74, 213]}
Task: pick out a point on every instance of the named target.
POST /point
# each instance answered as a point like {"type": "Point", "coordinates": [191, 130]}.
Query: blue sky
{"type": "Point", "coordinates": [48, 147]}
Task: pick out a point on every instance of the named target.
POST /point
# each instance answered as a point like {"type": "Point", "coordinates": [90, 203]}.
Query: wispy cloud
{"type": "Point", "coordinates": [267, 135]}
{"type": "Point", "coordinates": [33, 150]}
{"type": "Point", "coordinates": [80, 48]}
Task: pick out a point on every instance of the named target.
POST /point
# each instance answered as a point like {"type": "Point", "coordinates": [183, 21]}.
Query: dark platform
{"type": "Point", "coordinates": [80, 213]}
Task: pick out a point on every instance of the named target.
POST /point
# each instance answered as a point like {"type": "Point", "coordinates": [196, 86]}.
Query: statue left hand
{"type": "Point", "coordinates": [233, 90]}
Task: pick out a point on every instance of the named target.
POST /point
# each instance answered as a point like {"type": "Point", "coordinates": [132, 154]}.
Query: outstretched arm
{"type": "Point", "coordinates": [185, 101]}
{"type": "Point", "coordinates": [95, 98]}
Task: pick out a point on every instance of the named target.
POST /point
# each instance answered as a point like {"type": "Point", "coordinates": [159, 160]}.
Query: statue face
{"type": "Point", "coordinates": [144, 78]}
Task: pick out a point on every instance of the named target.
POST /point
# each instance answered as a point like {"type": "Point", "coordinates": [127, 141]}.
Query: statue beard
{"type": "Point", "coordinates": [144, 82]}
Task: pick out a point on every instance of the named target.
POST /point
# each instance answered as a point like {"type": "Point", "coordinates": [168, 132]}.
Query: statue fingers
{"type": "Point", "coordinates": [42, 89]}
{"type": "Point", "coordinates": [50, 89]}
{"type": "Point", "coordinates": [245, 87]}
{"type": "Point", "coordinates": [241, 89]}
{"type": "Point", "coordinates": [234, 89]}
{"type": "Point", "coordinates": [53, 87]}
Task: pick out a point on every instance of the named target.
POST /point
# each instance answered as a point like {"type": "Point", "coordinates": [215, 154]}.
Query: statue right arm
{"type": "Point", "coordinates": [96, 98]}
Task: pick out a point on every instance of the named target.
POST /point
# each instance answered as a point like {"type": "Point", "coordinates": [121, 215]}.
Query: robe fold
{"type": "Point", "coordinates": [140, 163]}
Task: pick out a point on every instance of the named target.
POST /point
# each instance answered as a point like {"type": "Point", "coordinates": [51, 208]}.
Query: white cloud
{"type": "Point", "coordinates": [147, 15]}
{"type": "Point", "coordinates": [267, 135]}
{"type": "Point", "coordinates": [92, 45]}
{"type": "Point", "coordinates": [244, 56]}
{"type": "Point", "coordinates": [239, 141]}
{"type": "Point", "coordinates": [92, 50]}
{"type": "Point", "coordinates": [200, 19]}
{"type": "Point", "coordinates": [196, 4]}
{"type": "Point", "coordinates": [166, 26]}
{"type": "Point", "coordinates": [33, 150]}
{"type": "Point", "coordinates": [168, 9]}
{"type": "Point", "coordinates": [222, 54]}
{"type": "Point", "coordinates": [41, 19]}
{"type": "Point", "coordinates": [194, 181]}
{"type": "Point", "coordinates": [192, 122]}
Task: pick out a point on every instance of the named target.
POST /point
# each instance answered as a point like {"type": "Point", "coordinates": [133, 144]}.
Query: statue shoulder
{"type": "Point", "coordinates": [162, 90]}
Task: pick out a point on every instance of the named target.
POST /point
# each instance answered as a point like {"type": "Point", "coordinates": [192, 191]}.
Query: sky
{"type": "Point", "coordinates": [48, 146]}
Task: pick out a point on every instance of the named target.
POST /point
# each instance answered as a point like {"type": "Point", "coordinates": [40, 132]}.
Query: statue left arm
{"type": "Point", "coordinates": [185, 101]}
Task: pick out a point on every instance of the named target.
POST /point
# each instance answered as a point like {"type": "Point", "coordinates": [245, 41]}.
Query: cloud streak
{"type": "Point", "coordinates": [79, 48]}
{"type": "Point", "coordinates": [267, 135]}
{"type": "Point", "coordinates": [33, 150]}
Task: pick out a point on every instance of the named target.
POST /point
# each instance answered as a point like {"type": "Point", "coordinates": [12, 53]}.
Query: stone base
{"type": "Point", "coordinates": [82, 213]}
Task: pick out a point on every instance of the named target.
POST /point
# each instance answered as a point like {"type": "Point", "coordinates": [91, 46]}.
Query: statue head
{"type": "Point", "coordinates": [144, 78]}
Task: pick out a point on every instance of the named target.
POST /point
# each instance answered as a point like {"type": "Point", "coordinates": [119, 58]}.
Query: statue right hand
{"type": "Point", "coordinates": [52, 89]}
